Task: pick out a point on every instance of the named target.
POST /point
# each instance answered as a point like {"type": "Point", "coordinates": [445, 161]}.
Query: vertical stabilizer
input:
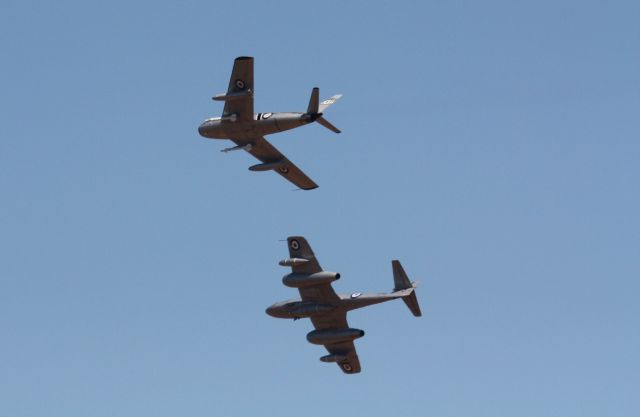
{"type": "Point", "coordinates": [314, 101]}
{"type": "Point", "coordinates": [401, 283]}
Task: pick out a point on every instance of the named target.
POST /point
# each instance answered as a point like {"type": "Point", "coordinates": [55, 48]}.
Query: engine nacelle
{"type": "Point", "coordinates": [333, 358]}
{"type": "Point", "coordinates": [298, 280]}
{"type": "Point", "coordinates": [325, 337]}
{"type": "Point", "coordinates": [267, 166]}
{"type": "Point", "coordinates": [293, 261]}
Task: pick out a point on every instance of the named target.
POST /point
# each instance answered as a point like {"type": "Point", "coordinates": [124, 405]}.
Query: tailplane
{"type": "Point", "coordinates": [407, 288]}
{"type": "Point", "coordinates": [315, 109]}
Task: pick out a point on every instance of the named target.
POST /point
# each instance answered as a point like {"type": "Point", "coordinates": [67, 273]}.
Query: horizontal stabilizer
{"type": "Point", "coordinates": [324, 122]}
{"type": "Point", "coordinates": [326, 103]}
{"type": "Point", "coordinates": [412, 303]}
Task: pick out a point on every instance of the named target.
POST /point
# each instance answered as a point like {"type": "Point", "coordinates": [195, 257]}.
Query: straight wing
{"type": "Point", "coordinates": [323, 293]}
{"type": "Point", "coordinates": [300, 248]}
{"type": "Point", "coordinates": [241, 82]}
{"type": "Point", "coordinates": [346, 351]}
{"type": "Point", "coordinates": [273, 160]}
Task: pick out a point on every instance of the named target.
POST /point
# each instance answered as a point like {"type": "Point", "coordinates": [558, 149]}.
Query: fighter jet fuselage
{"type": "Point", "coordinates": [247, 129]}
{"type": "Point", "coordinates": [229, 127]}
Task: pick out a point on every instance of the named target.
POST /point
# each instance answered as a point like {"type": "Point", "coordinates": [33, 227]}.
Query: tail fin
{"type": "Point", "coordinates": [314, 101]}
{"type": "Point", "coordinates": [401, 283]}
{"type": "Point", "coordinates": [315, 109]}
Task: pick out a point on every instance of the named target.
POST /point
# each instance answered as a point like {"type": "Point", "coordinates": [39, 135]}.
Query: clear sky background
{"type": "Point", "coordinates": [491, 146]}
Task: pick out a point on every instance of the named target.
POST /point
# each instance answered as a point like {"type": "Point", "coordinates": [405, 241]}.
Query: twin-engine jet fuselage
{"type": "Point", "coordinates": [328, 310]}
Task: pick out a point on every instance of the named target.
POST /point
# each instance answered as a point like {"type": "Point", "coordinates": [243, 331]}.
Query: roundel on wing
{"type": "Point", "coordinates": [284, 170]}
{"type": "Point", "coordinates": [295, 245]}
{"type": "Point", "coordinates": [356, 294]}
{"type": "Point", "coordinates": [347, 367]}
{"type": "Point", "coordinates": [239, 83]}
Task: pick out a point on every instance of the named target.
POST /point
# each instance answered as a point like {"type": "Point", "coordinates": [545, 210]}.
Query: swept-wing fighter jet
{"type": "Point", "coordinates": [247, 129]}
{"type": "Point", "coordinates": [328, 310]}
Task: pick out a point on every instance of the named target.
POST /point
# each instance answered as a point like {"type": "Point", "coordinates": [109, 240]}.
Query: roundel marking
{"type": "Point", "coordinates": [266, 115]}
{"type": "Point", "coordinates": [295, 245]}
{"type": "Point", "coordinates": [356, 294]}
{"type": "Point", "coordinates": [347, 367]}
{"type": "Point", "coordinates": [328, 101]}
{"type": "Point", "coordinates": [284, 170]}
{"type": "Point", "coordinates": [239, 83]}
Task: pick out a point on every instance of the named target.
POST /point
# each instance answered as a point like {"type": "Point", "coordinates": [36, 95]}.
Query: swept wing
{"type": "Point", "coordinates": [272, 159]}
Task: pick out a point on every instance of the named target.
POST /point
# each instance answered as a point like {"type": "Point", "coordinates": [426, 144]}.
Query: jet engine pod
{"type": "Point", "coordinates": [333, 358]}
{"type": "Point", "coordinates": [325, 337]}
{"type": "Point", "coordinates": [292, 261]}
{"type": "Point", "coordinates": [267, 166]}
{"type": "Point", "coordinates": [298, 280]}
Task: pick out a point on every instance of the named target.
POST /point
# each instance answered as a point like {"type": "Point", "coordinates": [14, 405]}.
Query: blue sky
{"type": "Point", "coordinates": [491, 146]}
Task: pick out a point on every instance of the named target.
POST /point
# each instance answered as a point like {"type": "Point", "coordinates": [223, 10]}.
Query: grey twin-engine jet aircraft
{"type": "Point", "coordinates": [247, 129]}
{"type": "Point", "coordinates": [328, 310]}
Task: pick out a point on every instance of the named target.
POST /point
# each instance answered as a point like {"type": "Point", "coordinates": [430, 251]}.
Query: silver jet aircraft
{"type": "Point", "coordinates": [328, 310]}
{"type": "Point", "coordinates": [247, 129]}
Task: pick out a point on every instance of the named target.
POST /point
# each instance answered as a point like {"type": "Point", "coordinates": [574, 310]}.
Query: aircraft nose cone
{"type": "Point", "coordinates": [273, 311]}
{"type": "Point", "coordinates": [202, 129]}
{"type": "Point", "coordinates": [269, 311]}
